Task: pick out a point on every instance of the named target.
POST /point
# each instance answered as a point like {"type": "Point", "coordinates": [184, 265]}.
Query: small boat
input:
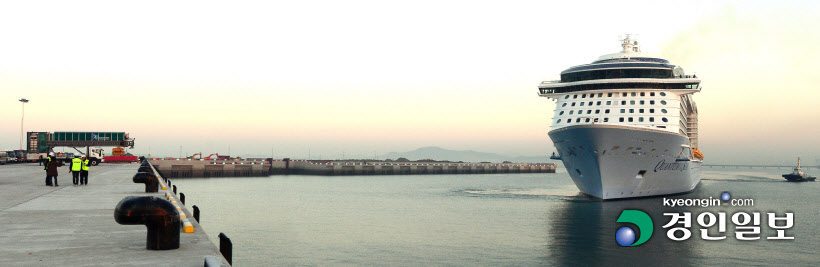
{"type": "Point", "coordinates": [798, 175]}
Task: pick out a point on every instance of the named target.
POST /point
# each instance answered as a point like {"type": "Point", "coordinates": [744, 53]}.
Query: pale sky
{"type": "Point", "coordinates": [371, 77]}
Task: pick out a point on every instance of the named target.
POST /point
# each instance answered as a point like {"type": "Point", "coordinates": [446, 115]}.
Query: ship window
{"type": "Point", "coordinates": [598, 103]}
{"type": "Point", "coordinates": [573, 104]}
{"type": "Point", "coordinates": [643, 94]}
{"type": "Point", "coordinates": [600, 94]}
{"type": "Point", "coordinates": [582, 104]}
{"type": "Point", "coordinates": [651, 119]}
{"type": "Point", "coordinates": [664, 120]}
{"type": "Point", "coordinates": [590, 103]}
{"type": "Point", "coordinates": [651, 102]}
{"type": "Point", "coordinates": [587, 120]}
{"type": "Point", "coordinates": [595, 120]}
{"type": "Point", "coordinates": [574, 96]}
{"type": "Point", "coordinates": [584, 96]}
{"type": "Point", "coordinates": [661, 127]}
{"type": "Point", "coordinates": [578, 120]}
{"type": "Point", "coordinates": [589, 111]}
{"type": "Point", "coordinates": [634, 94]}
{"type": "Point", "coordinates": [564, 105]}
{"type": "Point", "coordinates": [640, 119]}
{"type": "Point", "coordinates": [597, 111]}
{"type": "Point", "coordinates": [608, 103]}
{"type": "Point", "coordinates": [663, 94]}
{"type": "Point", "coordinates": [623, 110]}
{"type": "Point", "coordinates": [640, 111]}
{"type": "Point", "coordinates": [569, 120]}
{"type": "Point", "coordinates": [652, 94]}
{"type": "Point", "coordinates": [621, 119]}
{"type": "Point", "coordinates": [663, 102]}
{"type": "Point", "coordinates": [651, 110]}
{"type": "Point", "coordinates": [567, 96]}
{"type": "Point", "coordinates": [609, 95]}
{"type": "Point", "coordinates": [642, 102]}
{"type": "Point", "coordinates": [606, 119]}
{"type": "Point", "coordinates": [559, 121]}
{"type": "Point", "coordinates": [663, 110]}
{"type": "Point", "coordinates": [624, 95]}
{"type": "Point", "coordinates": [562, 113]}
{"type": "Point", "coordinates": [631, 110]}
{"type": "Point", "coordinates": [632, 102]}
{"type": "Point", "coordinates": [591, 95]}
{"type": "Point", "coordinates": [570, 112]}
{"type": "Point", "coordinates": [630, 119]}
{"type": "Point", "coordinates": [606, 111]}
{"type": "Point", "coordinates": [623, 102]}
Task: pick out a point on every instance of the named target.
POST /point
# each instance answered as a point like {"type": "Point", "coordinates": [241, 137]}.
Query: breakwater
{"type": "Point", "coordinates": [179, 168]}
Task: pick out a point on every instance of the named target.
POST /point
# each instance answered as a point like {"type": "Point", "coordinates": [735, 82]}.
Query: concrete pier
{"type": "Point", "coordinates": [403, 168]}
{"type": "Point", "coordinates": [74, 226]}
{"type": "Point", "coordinates": [180, 168]}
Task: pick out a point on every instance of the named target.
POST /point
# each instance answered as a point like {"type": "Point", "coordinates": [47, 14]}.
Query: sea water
{"type": "Point", "coordinates": [490, 220]}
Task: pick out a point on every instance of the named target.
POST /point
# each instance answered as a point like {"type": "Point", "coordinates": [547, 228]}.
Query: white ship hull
{"type": "Point", "coordinates": [612, 161]}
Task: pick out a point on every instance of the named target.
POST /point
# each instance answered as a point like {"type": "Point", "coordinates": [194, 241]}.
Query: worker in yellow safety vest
{"type": "Point", "coordinates": [84, 173]}
{"type": "Point", "coordinates": [76, 168]}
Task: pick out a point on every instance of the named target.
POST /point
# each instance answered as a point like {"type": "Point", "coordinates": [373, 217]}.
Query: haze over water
{"type": "Point", "coordinates": [491, 220]}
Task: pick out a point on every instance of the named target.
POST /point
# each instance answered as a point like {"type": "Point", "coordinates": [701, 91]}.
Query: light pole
{"type": "Point", "coordinates": [24, 101]}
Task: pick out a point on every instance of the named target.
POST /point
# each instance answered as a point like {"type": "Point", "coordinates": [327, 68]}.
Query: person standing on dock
{"type": "Point", "coordinates": [84, 173]}
{"type": "Point", "coordinates": [76, 168]}
{"type": "Point", "coordinates": [46, 161]}
{"type": "Point", "coordinates": [51, 170]}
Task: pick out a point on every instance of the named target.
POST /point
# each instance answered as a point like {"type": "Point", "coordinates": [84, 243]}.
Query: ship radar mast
{"type": "Point", "coordinates": [629, 44]}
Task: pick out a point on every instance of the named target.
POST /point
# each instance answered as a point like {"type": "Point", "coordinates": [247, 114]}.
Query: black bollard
{"type": "Point", "coordinates": [225, 247]}
{"type": "Point", "coordinates": [157, 214]}
{"type": "Point", "coordinates": [149, 179]}
{"type": "Point", "coordinates": [182, 198]}
{"type": "Point", "coordinates": [175, 189]}
{"type": "Point", "coordinates": [196, 213]}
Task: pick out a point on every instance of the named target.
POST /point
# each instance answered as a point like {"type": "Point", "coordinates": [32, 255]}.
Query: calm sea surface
{"type": "Point", "coordinates": [492, 219]}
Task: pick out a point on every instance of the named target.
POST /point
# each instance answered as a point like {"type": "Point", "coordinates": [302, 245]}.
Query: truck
{"type": "Point", "coordinates": [20, 155]}
{"type": "Point", "coordinates": [4, 158]}
{"type": "Point", "coordinates": [45, 142]}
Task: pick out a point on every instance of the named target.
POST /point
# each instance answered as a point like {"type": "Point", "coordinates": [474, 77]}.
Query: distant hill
{"type": "Point", "coordinates": [437, 153]}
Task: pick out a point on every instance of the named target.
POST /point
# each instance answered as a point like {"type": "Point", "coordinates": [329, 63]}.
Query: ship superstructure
{"type": "Point", "coordinates": [626, 125]}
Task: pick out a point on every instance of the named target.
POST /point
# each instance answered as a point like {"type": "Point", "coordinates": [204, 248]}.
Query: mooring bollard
{"type": "Point", "coordinates": [159, 216]}
{"type": "Point", "coordinates": [196, 213]}
{"type": "Point", "coordinates": [225, 247]}
{"type": "Point", "coordinates": [182, 198]}
{"type": "Point", "coordinates": [175, 189]}
{"type": "Point", "coordinates": [149, 179]}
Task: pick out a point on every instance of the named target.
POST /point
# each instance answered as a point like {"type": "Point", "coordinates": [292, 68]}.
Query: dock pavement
{"type": "Point", "coordinates": [74, 226]}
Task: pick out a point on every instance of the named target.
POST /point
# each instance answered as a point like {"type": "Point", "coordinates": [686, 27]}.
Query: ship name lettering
{"type": "Point", "coordinates": [672, 166]}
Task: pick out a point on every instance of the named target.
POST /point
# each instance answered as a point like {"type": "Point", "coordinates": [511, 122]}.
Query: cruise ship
{"type": "Point", "coordinates": [626, 125]}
